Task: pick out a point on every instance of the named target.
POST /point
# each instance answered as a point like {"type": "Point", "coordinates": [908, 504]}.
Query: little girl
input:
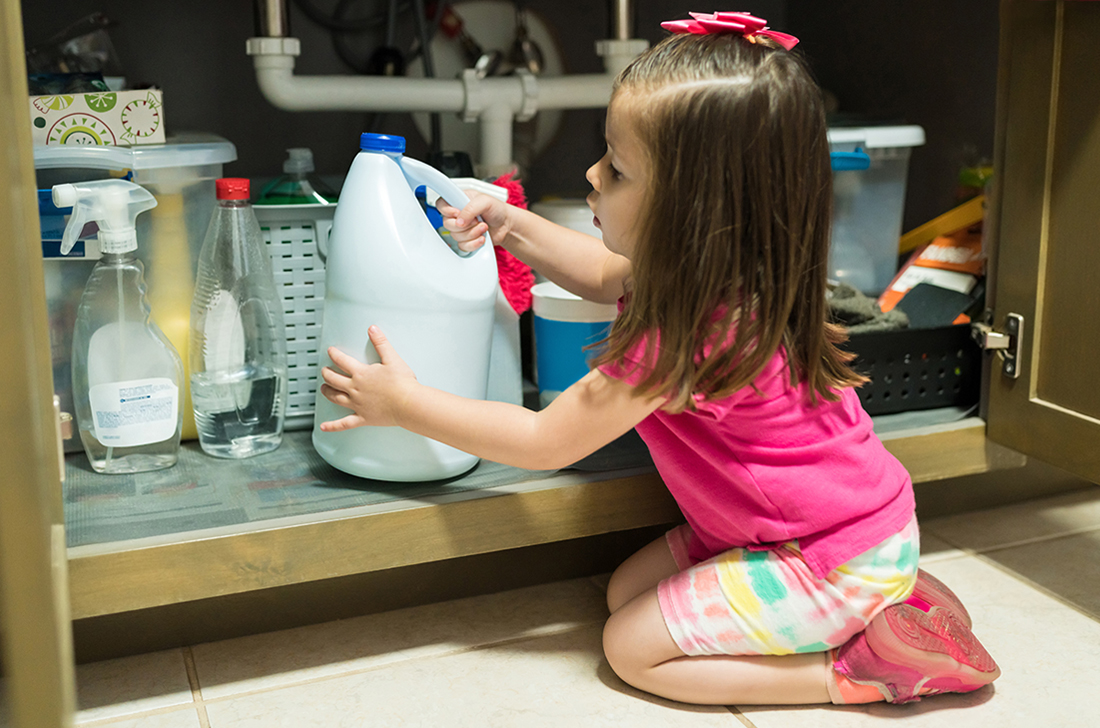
{"type": "Point", "coordinates": [795, 577]}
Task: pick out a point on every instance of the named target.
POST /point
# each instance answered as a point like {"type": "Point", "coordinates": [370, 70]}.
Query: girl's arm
{"type": "Point", "coordinates": [577, 262]}
{"type": "Point", "coordinates": [585, 417]}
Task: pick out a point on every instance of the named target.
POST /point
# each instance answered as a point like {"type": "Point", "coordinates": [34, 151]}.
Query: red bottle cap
{"type": "Point", "coordinates": [231, 188]}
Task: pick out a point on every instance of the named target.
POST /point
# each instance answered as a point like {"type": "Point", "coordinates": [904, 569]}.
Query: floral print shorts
{"type": "Point", "coordinates": [743, 602]}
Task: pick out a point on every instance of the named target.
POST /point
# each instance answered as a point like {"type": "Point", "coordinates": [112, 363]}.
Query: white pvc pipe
{"type": "Point", "coordinates": [496, 141]}
{"type": "Point", "coordinates": [494, 102]}
{"type": "Point", "coordinates": [585, 91]}
{"type": "Point", "coordinates": [275, 76]}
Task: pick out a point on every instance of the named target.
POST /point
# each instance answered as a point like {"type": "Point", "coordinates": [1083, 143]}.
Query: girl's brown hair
{"type": "Point", "coordinates": [732, 243]}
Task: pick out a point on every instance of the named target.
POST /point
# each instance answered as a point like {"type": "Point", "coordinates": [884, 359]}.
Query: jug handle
{"type": "Point", "coordinates": [417, 173]}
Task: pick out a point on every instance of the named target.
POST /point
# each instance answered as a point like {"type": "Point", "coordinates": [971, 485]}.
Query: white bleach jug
{"type": "Point", "coordinates": [388, 266]}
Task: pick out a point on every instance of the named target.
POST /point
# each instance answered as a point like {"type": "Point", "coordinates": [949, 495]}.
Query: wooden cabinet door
{"type": "Point", "coordinates": [34, 601]}
{"type": "Point", "coordinates": [1045, 232]}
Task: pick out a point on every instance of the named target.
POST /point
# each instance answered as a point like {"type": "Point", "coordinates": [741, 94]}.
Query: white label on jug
{"type": "Point", "coordinates": [137, 412]}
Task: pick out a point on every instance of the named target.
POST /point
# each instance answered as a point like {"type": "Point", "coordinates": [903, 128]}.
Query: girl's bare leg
{"type": "Point", "coordinates": [641, 652]}
{"type": "Point", "coordinates": [642, 571]}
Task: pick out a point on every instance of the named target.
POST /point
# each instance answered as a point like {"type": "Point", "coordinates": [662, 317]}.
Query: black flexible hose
{"type": "Point", "coordinates": [344, 25]}
{"type": "Point", "coordinates": [339, 27]}
{"type": "Point", "coordinates": [339, 39]}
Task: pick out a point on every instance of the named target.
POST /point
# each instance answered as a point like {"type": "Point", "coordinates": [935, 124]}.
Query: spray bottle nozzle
{"type": "Point", "coordinates": [112, 203]}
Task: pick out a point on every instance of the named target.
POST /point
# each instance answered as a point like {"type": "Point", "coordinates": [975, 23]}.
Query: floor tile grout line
{"type": "Point", "coordinates": [1041, 539]}
{"type": "Point", "coordinates": [1038, 587]}
{"type": "Point", "coordinates": [1013, 544]}
{"type": "Point", "coordinates": [741, 717]}
{"type": "Point", "coordinates": [939, 557]}
{"type": "Point", "coordinates": [196, 701]}
{"type": "Point", "coordinates": [373, 668]}
{"type": "Point", "coordinates": [983, 556]}
{"type": "Point", "coordinates": [196, 687]}
{"type": "Point", "coordinates": [108, 721]}
{"type": "Point", "coordinates": [192, 673]}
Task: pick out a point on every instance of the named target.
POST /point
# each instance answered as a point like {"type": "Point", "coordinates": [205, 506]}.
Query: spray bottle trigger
{"type": "Point", "coordinates": [65, 196]}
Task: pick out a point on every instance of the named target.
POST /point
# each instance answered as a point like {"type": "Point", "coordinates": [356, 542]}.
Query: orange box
{"type": "Point", "coordinates": [955, 262]}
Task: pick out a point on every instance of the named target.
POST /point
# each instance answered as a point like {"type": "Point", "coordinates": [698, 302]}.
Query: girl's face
{"type": "Point", "coordinates": [619, 181]}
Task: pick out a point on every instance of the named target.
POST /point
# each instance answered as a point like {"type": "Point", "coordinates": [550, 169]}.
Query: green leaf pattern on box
{"type": "Point", "coordinates": [101, 101]}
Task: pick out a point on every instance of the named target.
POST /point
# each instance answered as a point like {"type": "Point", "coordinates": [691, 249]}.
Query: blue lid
{"type": "Point", "coordinates": [381, 143]}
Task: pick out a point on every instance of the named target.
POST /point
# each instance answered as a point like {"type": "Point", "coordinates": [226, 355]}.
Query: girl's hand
{"type": "Point", "coordinates": [467, 230]}
{"type": "Point", "coordinates": [374, 393]}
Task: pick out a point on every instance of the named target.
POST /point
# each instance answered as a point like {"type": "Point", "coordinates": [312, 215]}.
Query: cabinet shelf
{"type": "Point", "coordinates": [424, 525]}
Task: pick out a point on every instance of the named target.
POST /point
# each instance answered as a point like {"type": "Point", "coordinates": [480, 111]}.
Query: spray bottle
{"type": "Point", "coordinates": [126, 374]}
{"type": "Point", "coordinates": [298, 185]}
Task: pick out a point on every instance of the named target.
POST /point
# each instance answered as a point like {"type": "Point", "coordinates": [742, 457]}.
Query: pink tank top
{"type": "Point", "coordinates": [756, 470]}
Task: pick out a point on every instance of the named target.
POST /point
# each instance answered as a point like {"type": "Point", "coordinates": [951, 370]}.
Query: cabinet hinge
{"type": "Point", "coordinates": [1007, 343]}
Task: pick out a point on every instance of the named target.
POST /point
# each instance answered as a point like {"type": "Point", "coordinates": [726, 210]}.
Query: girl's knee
{"type": "Point", "coordinates": [618, 590]}
{"type": "Point", "coordinates": [617, 648]}
{"type": "Point", "coordinates": [636, 639]}
{"type": "Point", "coordinates": [639, 573]}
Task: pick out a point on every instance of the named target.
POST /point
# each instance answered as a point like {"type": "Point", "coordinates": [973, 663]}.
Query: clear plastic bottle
{"type": "Point", "coordinates": [238, 342]}
{"type": "Point", "coordinates": [126, 374]}
{"type": "Point", "coordinates": [298, 185]}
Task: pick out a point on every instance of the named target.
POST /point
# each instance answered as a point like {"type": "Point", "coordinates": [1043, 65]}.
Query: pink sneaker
{"type": "Point", "coordinates": [931, 592]}
{"type": "Point", "coordinates": [907, 653]}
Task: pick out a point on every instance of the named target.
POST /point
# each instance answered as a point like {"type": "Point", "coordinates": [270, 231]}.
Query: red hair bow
{"type": "Point", "coordinates": [741, 24]}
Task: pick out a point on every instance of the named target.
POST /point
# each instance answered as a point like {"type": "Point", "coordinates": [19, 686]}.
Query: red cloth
{"type": "Point", "coordinates": [516, 277]}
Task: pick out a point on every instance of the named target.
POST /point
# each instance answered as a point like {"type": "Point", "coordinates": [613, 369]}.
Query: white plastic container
{"type": "Point", "coordinates": [572, 213]}
{"type": "Point", "coordinates": [297, 238]}
{"type": "Point", "coordinates": [868, 203]}
{"type": "Point", "coordinates": [387, 266]}
{"type": "Point", "coordinates": [565, 325]}
{"type": "Point", "coordinates": [506, 359]}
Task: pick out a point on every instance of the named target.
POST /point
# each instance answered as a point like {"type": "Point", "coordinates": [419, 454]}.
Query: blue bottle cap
{"type": "Point", "coordinates": [381, 143]}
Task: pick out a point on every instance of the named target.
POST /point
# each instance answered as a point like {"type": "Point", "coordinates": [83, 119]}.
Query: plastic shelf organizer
{"type": "Point", "coordinates": [297, 237]}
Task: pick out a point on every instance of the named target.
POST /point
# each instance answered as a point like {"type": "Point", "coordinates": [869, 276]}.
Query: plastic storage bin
{"type": "Point", "coordinates": [181, 175]}
{"type": "Point", "coordinates": [868, 204]}
{"type": "Point", "coordinates": [917, 369]}
{"type": "Point", "coordinates": [564, 325]}
{"type": "Point", "coordinates": [297, 239]}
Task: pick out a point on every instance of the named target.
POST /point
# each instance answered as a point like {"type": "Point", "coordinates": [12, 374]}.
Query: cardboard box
{"type": "Point", "coordinates": [954, 262]}
{"type": "Point", "coordinates": [103, 118]}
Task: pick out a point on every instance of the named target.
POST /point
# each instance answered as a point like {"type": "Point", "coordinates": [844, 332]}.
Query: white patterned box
{"type": "Point", "coordinates": [99, 118]}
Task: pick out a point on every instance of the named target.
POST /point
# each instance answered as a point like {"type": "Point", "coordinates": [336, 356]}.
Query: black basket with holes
{"type": "Point", "coordinates": [916, 369]}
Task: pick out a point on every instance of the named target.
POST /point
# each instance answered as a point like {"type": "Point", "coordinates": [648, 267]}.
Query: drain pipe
{"type": "Point", "coordinates": [622, 19]}
{"type": "Point", "coordinates": [494, 102]}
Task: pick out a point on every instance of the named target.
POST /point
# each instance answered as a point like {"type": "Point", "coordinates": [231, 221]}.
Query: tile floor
{"type": "Point", "coordinates": [1029, 574]}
